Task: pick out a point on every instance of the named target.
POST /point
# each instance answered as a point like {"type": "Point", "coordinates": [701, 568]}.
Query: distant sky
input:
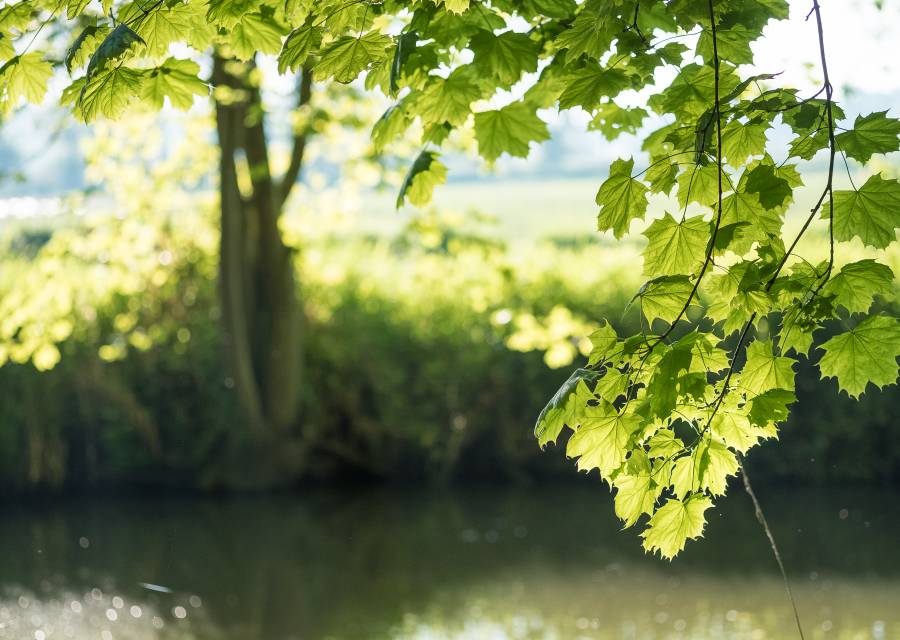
{"type": "Point", "coordinates": [863, 45]}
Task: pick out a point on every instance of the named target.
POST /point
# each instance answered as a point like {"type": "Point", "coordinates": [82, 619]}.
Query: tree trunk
{"type": "Point", "coordinates": [276, 318]}
{"type": "Point", "coordinates": [256, 272]}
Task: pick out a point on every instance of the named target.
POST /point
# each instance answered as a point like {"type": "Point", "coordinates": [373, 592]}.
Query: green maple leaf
{"type": "Point", "coordinates": [700, 184]}
{"type": "Point", "coordinates": [706, 469]}
{"type": "Point", "coordinates": [858, 283]}
{"type": "Point", "coordinates": [406, 46]}
{"type": "Point", "coordinates": [456, 6]}
{"type": "Point", "coordinates": [109, 92]}
{"type": "Point", "coordinates": [807, 146]}
{"type": "Point", "coordinates": [347, 57]}
{"type": "Point", "coordinates": [424, 175]}
{"type": "Point", "coordinates": [15, 15]}
{"type": "Point", "coordinates": [260, 33]}
{"type": "Point", "coordinates": [664, 444]}
{"type": "Point", "coordinates": [201, 33]}
{"type": "Point", "coordinates": [176, 80]}
{"type": "Point", "coordinates": [448, 100]}
{"type": "Point", "coordinates": [733, 44]}
{"type": "Point", "coordinates": [612, 120]}
{"type": "Point", "coordinates": [866, 353]}
{"type": "Point", "coordinates": [663, 389]}
{"type": "Point", "coordinates": [676, 522]}
{"type": "Point", "coordinates": [756, 223]}
{"type": "Point", "coordinates": [741, 140]}
{"type": "Point", "coordinates": [635, 496]}
{"type": "Point", "coordinates": [764, 370]}
{"type": "Point", "coordinates": [390, 126]}
{"type": "Point", "coordinates": [600, 442]}
{"type": "Point", "coordinates": [603, 343]}
{"type": "Point", "coordinates": [707, 357]}
{"type": "Point", "coordinates": [871, 213]}
{"type": "Point", "coordinates": [299, 44]}
{"type": "Point", "coordinates": [717, 464]}
{"type": "Point", "coordinates": [612, 385]}
{"type": "Point", "coordinates": [7, 50]}
{"type": "Point", "coordinates": [227, 13]}
{"type": "Point", "coordinates": [661, 176]}
{"type": "Point", "coordinates": [80, 50]}
{"type": "Point", "coordinates": [771, 407]}
{"type": "Point", "coordinates": [160, 27]}
{"type": "Point", "coordinates": [772, 189]}
{"type": "Point", "coordinates": [636, 490]}
{"type": "Point", "coordinates": [809, 116]}
{"type": "Point", "coordinates": [25, 76]}
{"type": "Point", "coordinates": [508, 130]}
{"type": "Point", "coordinates": [621, 199]}
{"type": "Point", "coordinates": [691, 94]}
{"type": "Point", "coordinates": [114, 46]}
{"type": "Point", "coordinates": [589, 86]}
{"type": "Point", "coordinates": [506, 56]}
{"type": "Point", "coordinates": [74, 8]}
{"type": "Point", "coordinates": [664, 297]}
{"type": "Point", "coordinates": [874, 133]}
{"type": "Point", "coordinates": [565, 407]}
{"type": "Point", "coordinates": [591, 33]}
{"type": "Point", "coordinates": [796, 329]}
{"type": "Point", "coordinates": [733, 429]}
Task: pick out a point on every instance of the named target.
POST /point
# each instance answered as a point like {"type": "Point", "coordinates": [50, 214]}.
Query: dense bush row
{"type": "Point", "coordinates": [426, 357]}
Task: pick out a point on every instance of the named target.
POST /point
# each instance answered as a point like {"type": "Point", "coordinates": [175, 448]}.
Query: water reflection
{"type": "Point", "coordinates": [58, 613]}
{"type": "Point", "coordinates": [479, 563]}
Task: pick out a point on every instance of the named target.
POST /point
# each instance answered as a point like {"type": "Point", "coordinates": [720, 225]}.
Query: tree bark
{"type": "Point", "coordinates": [259, 290]}
{"type": "Point", "coordinates": [277, 321]}
{"type": "Point", "coordinates": [233, 289]}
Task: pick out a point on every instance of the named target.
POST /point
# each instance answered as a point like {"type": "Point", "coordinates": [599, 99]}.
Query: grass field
{"type": "Point", "coordinates": [528, 211]}
{"type": "Point", "coordinates": [531, 209]}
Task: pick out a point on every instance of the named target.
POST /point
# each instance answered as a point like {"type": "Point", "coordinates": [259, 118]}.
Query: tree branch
{"type": "Point", "coordinates": [712, 242]}
{"type": "Point", "coordinates": [289, 179]}
{"type": "Point", "coordinates": [828, 191]}
{"type": "Point", "coordinates": [232, 281]}
{"type": "Point", "coordinates": [765, 525]}
{"type": "Point", "coordinates": [829, 90]}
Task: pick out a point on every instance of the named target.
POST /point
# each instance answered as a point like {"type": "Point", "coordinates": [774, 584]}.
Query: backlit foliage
{"type": "Point", "coordinates": [729, 304]}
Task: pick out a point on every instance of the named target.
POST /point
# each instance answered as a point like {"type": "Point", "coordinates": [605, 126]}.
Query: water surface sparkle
{"type": "Point", "coordinates": [479, 563]}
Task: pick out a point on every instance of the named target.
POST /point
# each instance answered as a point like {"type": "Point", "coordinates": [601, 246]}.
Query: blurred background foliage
{"type": "Point", "coordinates": [431, 341]}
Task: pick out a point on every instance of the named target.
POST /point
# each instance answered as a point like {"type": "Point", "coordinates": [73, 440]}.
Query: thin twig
{"type": "Point", "coordinates": [847, 167]}
{"type": "Point", "coordinates": [634, 22]}
{"type": "Point", "coordinates": [760, 516]}
{"type": "Point", "coordinates": [829, 90]}
{"type": "Point", "coordinates": [828, 191]}
{"type": "Point", "coordinates": [712, 243]}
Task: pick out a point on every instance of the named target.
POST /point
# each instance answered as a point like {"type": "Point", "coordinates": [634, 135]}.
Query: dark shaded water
{"type": "Point", "coordinates": [481, 563]}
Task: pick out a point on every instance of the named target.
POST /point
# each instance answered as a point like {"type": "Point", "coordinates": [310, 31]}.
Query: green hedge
{"type": "Point", "coordinates": [425, 359]}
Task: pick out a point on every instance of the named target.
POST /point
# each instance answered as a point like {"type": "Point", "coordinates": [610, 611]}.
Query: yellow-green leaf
{"type": "Point", "coordinates": [676, 522]}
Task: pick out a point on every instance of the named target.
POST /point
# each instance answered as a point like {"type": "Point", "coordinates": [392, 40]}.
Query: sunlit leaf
{"type": "Point", "coordinates": [622, 198]}
{"type": "Point", "coordinates": [866, 353]}
{"type": "Point", "coordinates": [676, 522]}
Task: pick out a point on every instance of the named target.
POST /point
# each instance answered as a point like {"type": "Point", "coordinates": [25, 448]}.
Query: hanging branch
{"type": "Point", "coordinates": [761, 518]}
{"type": "Point", "coordinates": [832, 147]}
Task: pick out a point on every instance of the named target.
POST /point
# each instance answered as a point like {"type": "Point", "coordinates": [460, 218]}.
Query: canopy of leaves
{"type": "Point", "coordinates": [660, 417]}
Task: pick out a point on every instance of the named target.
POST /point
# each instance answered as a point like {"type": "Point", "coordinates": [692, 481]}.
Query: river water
{"type": "Point", "coordinates": [473, 563]}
